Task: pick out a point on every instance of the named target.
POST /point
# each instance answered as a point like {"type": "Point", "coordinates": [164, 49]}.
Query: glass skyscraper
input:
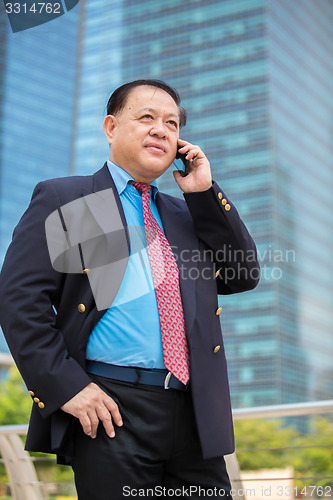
{"type": "Point", "coordinates": [256, 77]}
{"type": "Point", "coordinates": [37, 96]}
{"type": "Point", "coordinates": [301, 95]}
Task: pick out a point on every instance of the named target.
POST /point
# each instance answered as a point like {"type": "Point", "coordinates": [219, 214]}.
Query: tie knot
{"type": "Point", "coordinates": [141, 187]}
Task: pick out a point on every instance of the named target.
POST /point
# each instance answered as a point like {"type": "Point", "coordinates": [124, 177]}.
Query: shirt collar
{"type": "Point", "coordinates": [121, 178]}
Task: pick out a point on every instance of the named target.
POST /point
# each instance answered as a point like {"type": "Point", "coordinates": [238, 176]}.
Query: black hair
{"type": "Point", "coordinates": [117, 100]}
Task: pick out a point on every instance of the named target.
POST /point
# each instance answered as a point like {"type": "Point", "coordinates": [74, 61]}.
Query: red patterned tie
{"type": "Point", "coordinates": [166, 283]}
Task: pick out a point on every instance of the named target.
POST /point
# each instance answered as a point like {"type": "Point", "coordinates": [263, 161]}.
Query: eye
{"type": "Point", "coordinates": [147, 116]}
{"type": "Point", "coordinates": [173, 123]}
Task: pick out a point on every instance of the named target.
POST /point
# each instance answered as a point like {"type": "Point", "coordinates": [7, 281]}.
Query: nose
{"type": "Point", "coordinates": [159, 130]}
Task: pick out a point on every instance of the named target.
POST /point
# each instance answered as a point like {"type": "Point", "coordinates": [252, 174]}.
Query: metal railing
{"type": "Point", "coordinates": [273, 411]}
{"type": "Point", "coordinates": [24, 484]}
{"type": "Point", "coordinates": [286, 410]}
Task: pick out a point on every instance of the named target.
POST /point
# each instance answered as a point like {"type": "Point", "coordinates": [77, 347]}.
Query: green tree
{"type": "Point", "coordinates": [264, 434]}
{"type": "Point", "coordinates": [310, 455]}
{"type": "Point", "coordinates": [15, 407]}
{"type": "Point", "coordinates": [316, 461]}
{"type": "Point", "coordinates": [15, 402]}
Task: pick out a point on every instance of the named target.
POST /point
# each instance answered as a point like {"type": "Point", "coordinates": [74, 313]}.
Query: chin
{"type": "Point", "coordinates": [156, 170]}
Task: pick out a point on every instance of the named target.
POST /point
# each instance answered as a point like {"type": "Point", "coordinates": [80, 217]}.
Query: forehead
{"type": "Point", "coordinates": [153, 97]}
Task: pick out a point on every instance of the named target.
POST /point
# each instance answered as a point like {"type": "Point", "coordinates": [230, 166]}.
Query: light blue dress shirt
{"type": "Point", "coordinates": [129, 333]}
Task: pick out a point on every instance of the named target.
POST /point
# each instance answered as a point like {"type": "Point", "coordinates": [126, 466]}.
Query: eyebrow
{"type": "Point", "coordinates": [152, 110]}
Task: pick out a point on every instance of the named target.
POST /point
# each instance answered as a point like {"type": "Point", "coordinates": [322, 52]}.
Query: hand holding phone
{"type": "Point", "coordinates": [196, 164]}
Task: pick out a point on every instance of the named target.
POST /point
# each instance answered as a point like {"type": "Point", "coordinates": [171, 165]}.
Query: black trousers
{"type": "Point", "coordinates": [155, 454]}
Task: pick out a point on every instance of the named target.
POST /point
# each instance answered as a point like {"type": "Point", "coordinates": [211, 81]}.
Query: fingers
{"type": "Point", "coordinates": [192, 151]}
{"type": "Point", "coordinates": [92, 405]}
{"type": "Point", "coordinates": [113, 409]}
{"type": "Point", "coordinates": [89, 422]}
{"type": "Point", "coordinates": [108, 414]}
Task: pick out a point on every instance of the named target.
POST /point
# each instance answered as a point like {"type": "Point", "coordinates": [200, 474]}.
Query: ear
{"type": "Point", "coordinates": [109, 125]}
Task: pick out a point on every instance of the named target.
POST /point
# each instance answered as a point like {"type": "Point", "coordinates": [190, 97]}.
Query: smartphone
{"type": "Point", "coordinates": [186, 163]}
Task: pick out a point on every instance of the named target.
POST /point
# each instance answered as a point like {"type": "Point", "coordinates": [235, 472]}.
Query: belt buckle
{"type": "Point", "coordinates": [167, 380]}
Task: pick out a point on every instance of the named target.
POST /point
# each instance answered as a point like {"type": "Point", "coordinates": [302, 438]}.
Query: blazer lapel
{"type": "Point", "coordinates": [106, 208]}
{"type": "Point", "coordinates": [103, 180]}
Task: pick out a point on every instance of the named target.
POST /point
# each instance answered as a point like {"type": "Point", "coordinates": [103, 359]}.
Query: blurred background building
{"type": "Point", "coordinates": [256, 77]}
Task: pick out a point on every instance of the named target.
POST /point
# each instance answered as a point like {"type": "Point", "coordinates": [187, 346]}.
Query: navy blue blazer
{"type": "Point", "coordinates": [47, 331]}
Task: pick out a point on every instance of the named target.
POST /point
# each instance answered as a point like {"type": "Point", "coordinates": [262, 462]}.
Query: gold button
{"type": "Point", "coordinates": [218, 311]}
{"type": "Point", "coordinates": [224, 201]}
{"type": "Point", "coordinates": [81, 308]}
{"type": "Point", "coordinates": [36, 400]}
{"type": "Point", "coordinates": [86, 271]}
{"type": "Point", "coordinates": [220, 195]}
{"type": "Point", "coordinates": [227, 207]}
{"type": "Point", "coordinates": [41, 405]}
{"type": "Point", "coordinates": [218, 272]}
{"type": "Point", "coordinates": [216, 349]}
{"type": "Point", "coordinates": [31, 393]}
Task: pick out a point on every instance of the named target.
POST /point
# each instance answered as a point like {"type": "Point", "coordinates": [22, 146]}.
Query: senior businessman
{"type": "Point", "coordinates": [108, 301]}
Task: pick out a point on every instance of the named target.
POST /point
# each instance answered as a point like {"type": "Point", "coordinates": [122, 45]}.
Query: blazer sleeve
{"type": "Point", "coordinates": [29, 291]}
{"type": "Point", "coordinates": [218, 224]}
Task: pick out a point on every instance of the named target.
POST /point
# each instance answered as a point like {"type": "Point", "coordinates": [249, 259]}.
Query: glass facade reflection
{"type": "Point", "coordinates": [301, 41]}
{"type": "Point", "coordinates": [256, 77]}
{"type": "Point", "coordinates": [36, 111]}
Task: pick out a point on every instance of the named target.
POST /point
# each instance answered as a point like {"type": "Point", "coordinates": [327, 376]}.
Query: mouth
{"type": "Point", "coordinates": [155, 148]}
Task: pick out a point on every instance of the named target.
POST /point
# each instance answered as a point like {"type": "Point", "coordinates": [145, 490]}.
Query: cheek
{"type": "Point", "coordinates": [128, 146]}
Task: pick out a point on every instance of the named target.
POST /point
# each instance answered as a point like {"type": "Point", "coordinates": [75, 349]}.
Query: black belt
{"type": "Point", "coordinates": [154, 376]}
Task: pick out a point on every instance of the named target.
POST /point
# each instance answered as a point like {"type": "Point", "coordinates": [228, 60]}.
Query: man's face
{"type": "Point", "coordinates": [143, 136]}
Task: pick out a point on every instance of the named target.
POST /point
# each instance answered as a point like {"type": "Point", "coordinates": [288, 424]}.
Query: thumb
{"type": "Point", "coordinates": [178, 175]}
